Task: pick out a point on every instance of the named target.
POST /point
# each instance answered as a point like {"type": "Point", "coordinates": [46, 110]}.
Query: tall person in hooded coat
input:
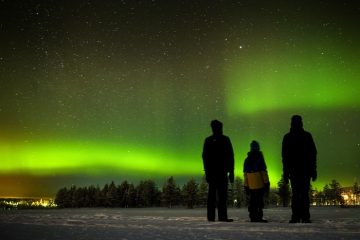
{"type": "Point", "coordinates": [299, 166]}
{"type": "Point", "coordinates": [218, 160]}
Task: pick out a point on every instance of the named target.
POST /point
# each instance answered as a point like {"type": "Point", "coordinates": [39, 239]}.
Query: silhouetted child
{"type": "Point", "coordinates": [256, 182]}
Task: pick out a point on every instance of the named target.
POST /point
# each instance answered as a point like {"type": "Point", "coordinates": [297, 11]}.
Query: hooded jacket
{"type": "Point", "coordinates": [218, 156]}
{"type": "Point", "coordinates": [299, 153]}
{"type": "Point", "coordinates": [255, 172]}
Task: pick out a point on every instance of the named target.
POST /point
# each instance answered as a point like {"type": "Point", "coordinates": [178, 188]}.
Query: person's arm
{"type": "Point", "coordinates": [264, 173]}
{"type": "Point", "coordinates": [285, 156]}
{"type": "Point", "coordinates": [231, 162]}
{"type": "Point", "coordinates": [313, 155]}
{"type": "Point", "coordinates": [246, 181]}
{"type": "Point", "coordinates": [205, 157]}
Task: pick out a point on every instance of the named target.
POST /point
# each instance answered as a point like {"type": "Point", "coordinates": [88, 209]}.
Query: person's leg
{"type": "Point", "coordinates": [296, 200]}
{"type": "Point", "coordinates": [257, 205]}
{"type": "Point", "coordinates": [254, 206]}
{"type": "Point", "coordinates": [211, 202]}
{"type": "Point", "coordinates": [260, 205]}
{"type": "Point", "coordinates": [222, 203]}
{"type": "Point", "coordinates": [305, 200]}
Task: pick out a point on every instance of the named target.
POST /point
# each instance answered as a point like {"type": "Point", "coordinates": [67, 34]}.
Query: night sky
{"type": "Point", "coordinates": [94, 91]}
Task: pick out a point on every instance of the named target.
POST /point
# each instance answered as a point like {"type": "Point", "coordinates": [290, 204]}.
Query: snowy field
{"type": "Point", "coordinates": [141, 224]}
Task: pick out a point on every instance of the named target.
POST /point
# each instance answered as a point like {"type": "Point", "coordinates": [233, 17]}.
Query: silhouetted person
{"type": "Point", "coordinates": [299, 165]}
{"type": "Point", "coordinates": [256, 182]}
{"type": "Point", "coordinates": [218, 159]}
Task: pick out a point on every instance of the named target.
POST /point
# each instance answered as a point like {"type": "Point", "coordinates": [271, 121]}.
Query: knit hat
{"type": "Point", "coordinates": [254, 146]}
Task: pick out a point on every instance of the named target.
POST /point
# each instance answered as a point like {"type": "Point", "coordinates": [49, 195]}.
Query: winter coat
{"type": "Point", "coordinates": [218, 157]}
{"type": "Point", "coordinates": [299, 153]}
{"type": "Point", "coordinates": [255, 172]}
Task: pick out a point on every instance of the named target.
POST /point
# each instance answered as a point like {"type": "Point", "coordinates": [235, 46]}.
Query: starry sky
{"type": "Point", "coordinates": [93, 91]}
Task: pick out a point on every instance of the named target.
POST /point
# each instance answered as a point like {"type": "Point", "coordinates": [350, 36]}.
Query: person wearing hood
{"type": "Point", "coordinates": [256, 182]}
{"type": "Point", "coordinates": [218, 160]}
{"type": "Point", "coordinates": [299, 166]}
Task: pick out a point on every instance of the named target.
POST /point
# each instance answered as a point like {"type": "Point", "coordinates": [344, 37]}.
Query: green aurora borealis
{"type": "Point", "coordinates": [94, 91]}
{"type": "Point", "coordinates": [333, 87]}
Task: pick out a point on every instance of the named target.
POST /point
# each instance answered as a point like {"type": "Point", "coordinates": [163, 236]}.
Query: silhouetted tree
{"type": "Point", "coordinates": [147, 194]}
{"type": "Point", "coordinates": [98, 197]}
{"type": "Point", "coordinates": [284, 192]}
{"type": "Point", "coordinates": [356, 188]}
{"type": "Point", "coordinates": [72, 196]}
{"type": "Point", "coordinates": [335, 189]}
{"type": "Point", "coordinates": [319, 198]}
{"type": "Point", "coordinates": [103, 200]}
{"type": "Point", "coordinates": [239, 198]}
{"type": "Point", "coordinates": [170, 193]}
{"type": "Point", "coordinates": [332, 193]}
{"type": "Point", "coordinates": [230, 195]}
{"type": "Point", "coordinates": [356, 191]}
{"type": "Point", "coordinates": [130, 199]}
{"type": "Point", "coordinates": [272, 198]}
{"type": "Point", "coordinates": [62, 198]}
{"type": "Point", "coordinates": [122, 192]}
{"type": "Point", "coordinates": [91, 196]}
{"type": "Point", "coordinates": [327, 194]}
{"type": "Point", "coordinates": [79, 197]}
{"type": "Point", "coordinates": [190, 193]}
{"type": "Point", "coordinates": [203, 192]}
{"type": "Point", "coordinates": [311, 194]}
{"type": "Point", "coordinates": [111, 196]}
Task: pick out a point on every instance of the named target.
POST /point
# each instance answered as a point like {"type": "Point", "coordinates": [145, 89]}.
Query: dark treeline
{"type": "Point", "coordinates": [145, 194]}
{"type": "Point", "coordinates": [190, 195]}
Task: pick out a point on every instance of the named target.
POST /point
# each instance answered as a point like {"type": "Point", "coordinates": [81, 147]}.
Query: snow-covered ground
{"type": "Point", "coordinates": [328, 223]}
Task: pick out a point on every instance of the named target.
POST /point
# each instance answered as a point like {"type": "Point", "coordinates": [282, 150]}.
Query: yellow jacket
{"type": "Point", "coordinates": [255, 173]}
{"type": "Point", "coordinates": [256, 180]}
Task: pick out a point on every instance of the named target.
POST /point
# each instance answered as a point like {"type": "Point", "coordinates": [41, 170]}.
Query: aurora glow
{"type": "Point", "coordinates": [93, 91]}
{"type": "Point", "coordinates": [45, 158]}
{"type": "Point", "coordinates": [289, 82]}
